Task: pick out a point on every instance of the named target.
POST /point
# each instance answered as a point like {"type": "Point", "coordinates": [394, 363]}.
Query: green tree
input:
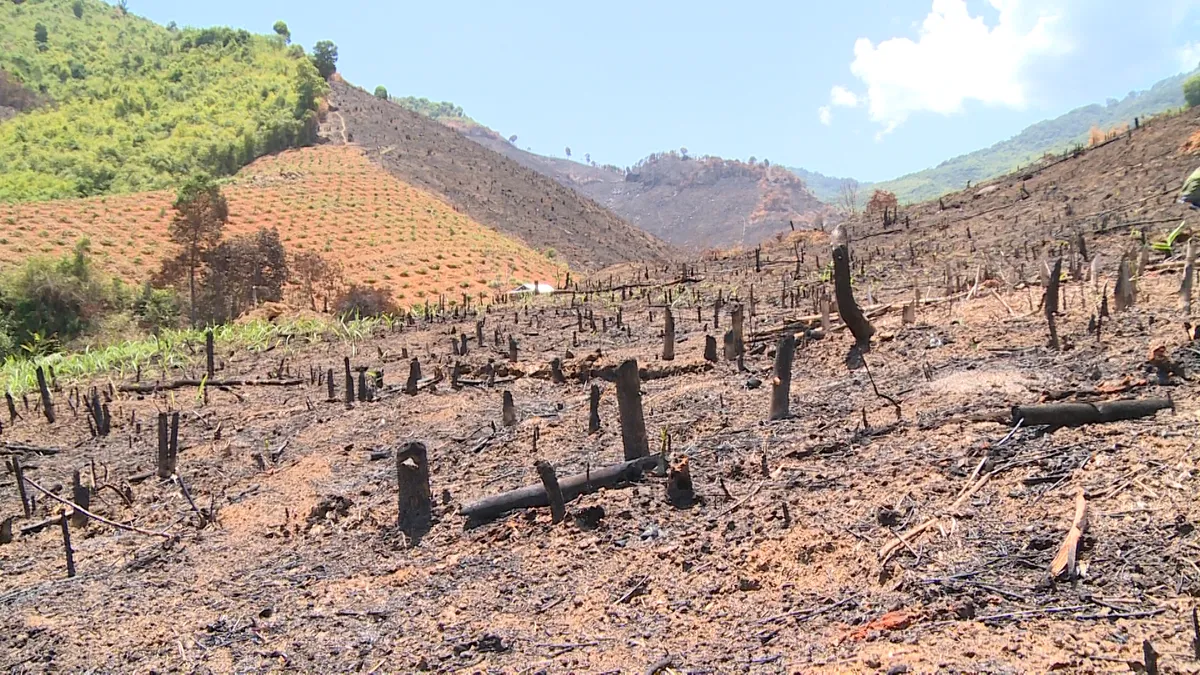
{"type": "Point", "coordinates": [324, 57]}
{"type": "Point", "coordinates": [200, 216]}
{"type": "Point", "coordinates": [1191, 91]}
{"type": "Point", "coordinates": [77, 8]}
{"type": "Point", "coordinates": [281, 29]}
{"type": "Point", "coordinates": [123, 7]}
{"type": "Point", "coordinates": [41, 37]}
{"type": "Point", "coordinates": [381, 92]}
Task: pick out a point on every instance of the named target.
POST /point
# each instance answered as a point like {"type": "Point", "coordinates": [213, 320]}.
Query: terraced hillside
{"type": "Point", "coordinates": [492, 189]}
{"type": "Point", "coordinates": [326, 199]}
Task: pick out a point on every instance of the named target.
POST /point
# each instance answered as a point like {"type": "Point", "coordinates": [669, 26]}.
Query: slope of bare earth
{"type": "Point", "coordinates": [694, 203]}
{"type": "Point", "coordinates": [488, 187]}
{"type": "Point", "coordinates": [864, 534]}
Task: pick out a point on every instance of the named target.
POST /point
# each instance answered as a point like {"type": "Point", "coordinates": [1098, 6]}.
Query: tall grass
{"type": "Point", "coordinates": [174, 349]}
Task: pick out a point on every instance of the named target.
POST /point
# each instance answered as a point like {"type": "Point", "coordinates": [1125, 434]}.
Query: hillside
{"type": "Point", "coordinates": [693, 202]}
{"type": "Point", "coordinates": [128, 105]}
{"type": "Point", "coordinates": [326, 199]}
{"type": "Point", "coordinates": [902, 517]}
{"type": "Point", "coordinates": [488, 187]}
{"type": "Point", "coordinates": [1054, 135]}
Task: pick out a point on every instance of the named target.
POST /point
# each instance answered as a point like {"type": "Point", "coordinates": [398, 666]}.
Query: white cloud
{"type": "Point", "coordinates": [825, 114]}
{"type": "Point", "coordinates": [958, 58]}
{"type": "Point", "coordinates": [843, 97]}
{"type": "Point", "coordinates": [1189, 56]}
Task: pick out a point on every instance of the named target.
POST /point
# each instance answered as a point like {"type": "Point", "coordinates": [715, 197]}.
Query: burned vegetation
{"type": "Point", "coordinates": [940, 441]}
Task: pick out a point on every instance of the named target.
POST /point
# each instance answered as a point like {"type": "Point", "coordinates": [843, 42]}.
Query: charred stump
{"type": "Point", "coordinates": [848, 309]}
{"type": "Point", "coordinates": [413, 492]}
{"type": "Point", "coordinates": [668, 350]}
{"type": "Point", "coordinates": [558, 508]}
{"type": "Point", "coordinates": [629, 405]}
{"type": "Point", "coordinates": [781, 382]}
{"type": "Point", "coordinates": [594, 409]}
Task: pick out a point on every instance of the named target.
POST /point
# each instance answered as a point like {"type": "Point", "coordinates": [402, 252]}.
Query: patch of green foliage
{"type": "Point", "coordinates": [436, 110]}
{"type": "Point", "coordinates": [178, 348]}
{"type": "Point", "coordinates": [137, 106]}
{"type": "Point", "coordinates": [1191, 91]}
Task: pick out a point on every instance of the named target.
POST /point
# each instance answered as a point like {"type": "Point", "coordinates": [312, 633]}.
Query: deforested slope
{"type": "Point", "coordinates": [490, 188]}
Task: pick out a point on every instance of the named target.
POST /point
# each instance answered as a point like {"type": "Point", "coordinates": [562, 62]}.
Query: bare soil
{"type": "Point", "coordinates": [783, 564]}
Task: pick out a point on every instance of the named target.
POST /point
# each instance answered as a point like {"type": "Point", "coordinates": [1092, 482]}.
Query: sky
{"type": "Point", "coordinates": [871, 89]}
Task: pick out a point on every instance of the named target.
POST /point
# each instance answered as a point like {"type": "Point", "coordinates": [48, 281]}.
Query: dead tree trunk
{"type": "Point", "coordinates": [593, 480]}
{"type": "Point", "coordinates": [414, 376]}
{"type": "Point", "coordinates": [1079, 414]}
{"type": "Point", "coordinates": [594, 410]}
{"type": "Point", "coordinates": [413, 492]}
{"type": "Point", "coordinates": [47, 404]}
{"type": "Point", "coordinates": [781, 383]}
{"type": "Point", "coordinates": [629, 405]}
{"type": "Point", "coordinates": [1185, 287]}
{"type": "Point", "coordinates": [66, 534]}
{"type": "Point", "coordinates": [82, 498]}
{"type": "Point", "coordinates": [209, 360]}
{"type": "Point", "coordinates": [558, 508]}
{"type": "Point", "coordinates": [19, 474]}
{"type": "Point", "coordinates": [508, 411]}
{"type": "Point", "coordinates": [164, 468]}
{"type": "Point", "coordinates": [668, 350]}
{"type": "Point", "coordinates": [848, 309]}
{"type": "Point", "coordinates": [1051, 301]}
{"type": "Point", "coordinates": [1123, 294]}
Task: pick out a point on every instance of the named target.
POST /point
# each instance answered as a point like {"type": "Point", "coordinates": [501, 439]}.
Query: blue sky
{"type": "Point", "coordinates": [920, 80]}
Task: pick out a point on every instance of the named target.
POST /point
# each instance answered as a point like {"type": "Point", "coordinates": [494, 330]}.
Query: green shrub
{"type": "Point", "coordinates": [46, 302]}
{"type": "Point", "coordinates": [1191, 91]}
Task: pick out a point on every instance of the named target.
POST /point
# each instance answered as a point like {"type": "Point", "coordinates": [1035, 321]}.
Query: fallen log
{"type": "Point", "coordinates": [10, 448]}
{"type": "Point", "coordinates": [490, 508]}
{"type": "Point", "coordinates": [151, 387]}
{"type": "Point", "coordinates": [1079, 414]}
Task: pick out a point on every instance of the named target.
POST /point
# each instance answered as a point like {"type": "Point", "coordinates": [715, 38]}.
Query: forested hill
{"type": "Point", "coordinates": [1054, 135]}
{"type": "Point", "coordinates": [106, 101]}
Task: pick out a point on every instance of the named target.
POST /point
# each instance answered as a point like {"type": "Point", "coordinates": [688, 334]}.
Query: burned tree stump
{"type": "Point", "coordinates": [164, 469]}
{"type": "Point", "coordinates": [414, 376]}
{"type": "Point", "coordinates": [6, 534]}
{"type": "Point", "coordinates": [1185, 286]}
{"type": "Point", "coordinates": [349, 384]}
{"type": "Point", "coordinates": [680, 491]}
{"type": "Point", "coordinates": [209, 360]}
{"type": "Point", "coordinates": [363, 394]}
{"type": "Point", "coordinates": [734, 337]}
{"type": "Point", "coordinates": [594, 410]}
{"type": "Point", "coordinates": [19, 475]}
{"type": "Point", "coordinates": [512, 349]}
{"type": "Point", "coordinates": [1051, 302]}
{"type": "Point", "coordinates": [508, 411]}
{"type": "Point", "coordinates": [781, 382]}
{"type": "Point", "coordinates": [629, 405]}
{"type": "Point", "coordinates": [556, 373]}
{"type": "Point", "coordinates": [413, 492]}
{"type": "Point", "coordinates": [12, 407]}
{"type": "Point", "coordinates": [558, 508]}
{"type": "Point", "coordinates": [1123, 292]}
{"type": "Point", "coordinates": [668, 350]}
{"type": "Point", "coordinates": [479, 334]}
{"type": "Point", "coordinates": [462, 347]}
{"type": "Point", "coordinates": [47, 404]}
{"type": "Point", "coordinates": [848, 309]}
{"type": "Point", "coordinates": [66, 535]}
{"type": "Point", "coordinates": [710, 349]}
{"type": "Point", "coordinates": [82, 498]}
{"type": "Point", "coordinates": [329, 383]}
